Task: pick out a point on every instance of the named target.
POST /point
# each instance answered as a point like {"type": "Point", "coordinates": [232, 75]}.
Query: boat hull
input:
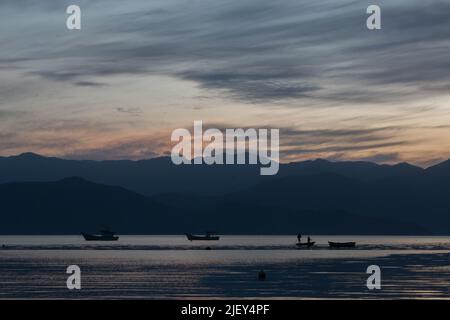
{"type": "Point", "coordinates": [95, 237]}
{"type": "Point", "coordinates": [192, 237]}
{"type": "Point", "coordinates": [341, 244]}
{"type": "Point", "coordinates": [305, 244]}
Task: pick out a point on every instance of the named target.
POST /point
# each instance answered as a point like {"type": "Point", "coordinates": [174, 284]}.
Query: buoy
{"type": "Point", "coordinates": [262, 275]}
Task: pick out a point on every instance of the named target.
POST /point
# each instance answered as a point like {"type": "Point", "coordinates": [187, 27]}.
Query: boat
{"type": "Point", "coordinates": [207, 236]}
{"type": "Point", "coordinates": [305, 244]}
{"type": "Point", "coordinates": [341, 244]}
{"type": "Point", "coordinates": [104, 235]}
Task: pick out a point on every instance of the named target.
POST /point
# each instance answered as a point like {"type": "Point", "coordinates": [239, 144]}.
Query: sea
{"type": "Point", "coordinates": [172, 267]}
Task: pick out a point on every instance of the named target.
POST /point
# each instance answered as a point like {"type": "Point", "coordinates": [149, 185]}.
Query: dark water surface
{"type": "Point", "coordinates": [151, 267]}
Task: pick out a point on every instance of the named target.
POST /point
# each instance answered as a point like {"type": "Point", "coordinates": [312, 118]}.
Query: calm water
{"type": "Point", "coordinates": [172, 267]}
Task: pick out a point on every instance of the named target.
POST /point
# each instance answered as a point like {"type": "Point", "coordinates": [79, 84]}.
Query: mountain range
{"type": "Point", "coordinates": [41, 195]}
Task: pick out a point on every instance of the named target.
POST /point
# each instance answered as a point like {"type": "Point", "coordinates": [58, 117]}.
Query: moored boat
{"type": "Point", "coordinates": [341, 244]}
{"type": "Point", "coordinates": [104, 235]}
{"type": "Point", "coordinates": [305, 244]}
{"type": "Point", "coordinates": [207, 236]}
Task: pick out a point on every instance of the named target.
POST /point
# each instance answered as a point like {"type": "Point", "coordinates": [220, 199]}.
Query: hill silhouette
{"type": "Point", "coordinates": [74, 204]}
{"type": "Point", "coordinates": [155, 196]}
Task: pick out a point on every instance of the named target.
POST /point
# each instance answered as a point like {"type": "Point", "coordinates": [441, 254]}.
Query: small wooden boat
{"type": "Point", "coordinates": [305, 244]}
{"type": "Point", "coordinates": [341, 244]}
{"type": "Point", "coordinates": [207, 236]}
{"type": "Point", "coordinates": [105, 235]}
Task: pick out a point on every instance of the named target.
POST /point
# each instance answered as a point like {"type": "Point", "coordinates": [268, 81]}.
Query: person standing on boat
{"type": "Point", "coordinates": [309, 239]}
{"type": "Point", "coordinates": [299, 238]}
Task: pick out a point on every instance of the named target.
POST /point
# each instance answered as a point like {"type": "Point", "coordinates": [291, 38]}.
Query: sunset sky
{"type": "Point", "coordinates": [139, 69]}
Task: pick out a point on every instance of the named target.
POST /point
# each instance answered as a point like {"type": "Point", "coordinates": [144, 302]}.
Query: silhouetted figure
{"type": "Point", "coordinates": [299, 237]}
{"type": "Point", "coordinates": [262, 275]}
{"type": "Point", "coordinates": [309, 239]}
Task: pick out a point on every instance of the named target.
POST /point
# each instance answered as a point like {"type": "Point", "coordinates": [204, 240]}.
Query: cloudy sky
{"type": "Point", "coordinates": [139, 69]}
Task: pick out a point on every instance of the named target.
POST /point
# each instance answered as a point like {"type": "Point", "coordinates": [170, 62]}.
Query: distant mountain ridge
{"type": "Point", "coordinates": [398, 199]}
{"type": "Point", "coordinates": [160, 175]}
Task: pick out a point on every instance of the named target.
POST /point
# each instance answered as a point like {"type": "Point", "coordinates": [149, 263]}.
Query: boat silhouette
{"type": "Point", "coordinates": [341, 244]}
{"type": "Point", "coordinates": [207, 236]}
{"type": "Point", "coordinates": [305, 244]}
{"type": "Point", "coordinates": [104, 235]}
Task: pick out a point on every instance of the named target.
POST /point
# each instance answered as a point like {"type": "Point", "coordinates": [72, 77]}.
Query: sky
{"type": "Point", "coordinates": [138, 69]}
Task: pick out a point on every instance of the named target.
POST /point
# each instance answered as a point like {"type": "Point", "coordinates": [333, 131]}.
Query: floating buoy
{"type": "Point", "coordinates": [261, 275]}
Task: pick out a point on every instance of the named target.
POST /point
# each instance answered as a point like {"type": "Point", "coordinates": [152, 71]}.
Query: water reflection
{"type": "Point", "coordinates": [34, 267]}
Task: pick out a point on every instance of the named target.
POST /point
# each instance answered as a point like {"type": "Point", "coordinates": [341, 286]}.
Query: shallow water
{"type": "Point", "coordinates": [172, 267]}
{"type": "Point", "coordinates": [179, 242]}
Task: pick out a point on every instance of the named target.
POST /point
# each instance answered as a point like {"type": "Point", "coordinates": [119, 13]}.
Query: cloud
{"type": "Point", "coordinates": [132, 111]}
{"type": "Point", "coordinates": [261, 50]}
{"type": "Point", "coordinates": [8, 114]}
{"type": "Point", "coordinates": [338, 144]}
{"type": "Point", "coordinates": [89, 84]}
{"type": "Point", "coordinates": [81, 139]}
{"type": "Point", "coordinates": [350, 136]}
{"type": "Point", "coordinates": [253, 87]}
{"type": "Point", "coordinates": [289, 54]}
{"type": "Point", "coordinates": [370, 144]}
{"type": "Point", "coordinates": [134, 148]}
{"type": "Point", "coordinates": [343, 148]}
{"type": "Point", "coordinates": [389, 157]}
